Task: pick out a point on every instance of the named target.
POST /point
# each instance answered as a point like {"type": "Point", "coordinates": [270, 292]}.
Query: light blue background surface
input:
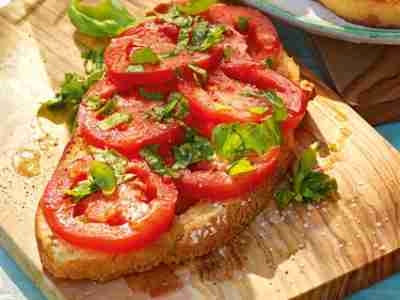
{"type": "Point", "coordinates": [299, 45]}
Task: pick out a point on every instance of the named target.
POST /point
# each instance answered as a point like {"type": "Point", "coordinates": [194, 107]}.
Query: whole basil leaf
{"type": "Point", "coordinates": [233, 141]}
{"type": "Point", "coordinates": [107, 18]}
{"type": "Point", "coordinates": [152, 157]}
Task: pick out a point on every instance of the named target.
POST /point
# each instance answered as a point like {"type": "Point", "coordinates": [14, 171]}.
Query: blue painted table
{"type": "Point", "coordinates": [299, 45]}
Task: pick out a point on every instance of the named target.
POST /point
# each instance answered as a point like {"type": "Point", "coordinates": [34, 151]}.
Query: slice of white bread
{"type": "Point", "coordinates": [201, 229]}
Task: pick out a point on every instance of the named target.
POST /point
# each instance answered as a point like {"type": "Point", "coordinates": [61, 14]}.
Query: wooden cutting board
{"type": "Point", "coordinates": [305, 252]}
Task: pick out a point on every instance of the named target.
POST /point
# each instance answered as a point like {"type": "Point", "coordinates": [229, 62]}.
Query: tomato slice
{"type": "Point", "coordinates": [103, 88]}
{"type": "Point", "coordinates": [161, 38]}
{"type": "Point", "coordinates": [128, 138]}
{"type": "Point", "coordinates": [265, 79]}
{"type": "Point", "coordinates": [130, 219]}
{"type": "Point", "coordinates": [209, 181]}
{"type": "Point", "coordinates": [262, 38]}
{"type": "Point", "coordinates": [223, 100]}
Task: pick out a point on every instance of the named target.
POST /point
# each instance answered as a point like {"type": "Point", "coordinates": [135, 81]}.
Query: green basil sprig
{"type": "Point", "coordinates": [106, 171]}
{"type": "Point", "coordinates": [64, 107]}
{"type": "Point", "coordinates": [306, 184]}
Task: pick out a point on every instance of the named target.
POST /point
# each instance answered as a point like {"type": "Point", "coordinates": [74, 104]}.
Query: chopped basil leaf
{"type": "Point", "coordinates": [73, 88]}
{"type": "Point", "coordinates": [199, 33]}
{"type": "Point", "coordinates": [272, 131]}
{"type": "Point", "coordinates": [284, 196]}
{"type": "Point", "coordinates": [228, 52]}
{"type": "Point", "coordinates": [214, 35]}
{"type": "Point", "coordinates": [228, 142]}
{"type": "Point", "coordinates": [258, 110]}
{"type": "Point", "coordinates": [181, 109]}
{"type": "Point", "coordinates": [114, 120]}
{"type": "Point", "coordinates": [135, 68]}
{"type": "Point", "coordinates": [219, 106]}
{"type": "Point", "coordinates": [279, 108]}
{"type": "Point", "coordinates": [115, 160]}
{"type": "Point", "coordinates": [243, 23]}
{"type": "Point", "coordinates": [176, 107]}
{"type": "Point", "coordinates": [108, 108]}
{"type": "Point", "coordinates": [174, 16]}
{"type": "Point", "coordinates": [233, 141]}
{"type": "Point", "coordinates": [93, 102]}
{"type": "Point", "coordinates": [166, 111]}
{"type": "Point", "coordinates": [103, 176]}
{"type": "Point", "coordinates": [241, 166]}
{"type": "Point", "coordinates": [144, 56]}
{"type": "Point", "coordinates": [151, 95]}
{"type": "Point", "coordinates": [199, 74]}
{"type": "Point", "coordinates": [306, 185]}
{"type": "Point", "coordinates": [194, 7]}
{"type": "Point", "coordinates": [82, 190]}
{"type": "Point", "coordinates": [183, 40]}
{"type": "Point", "coordinates": [307, 162]}
{"type": "Point", "coordinates": [93, 60]}
{"type": "Point", "coordinates": [195, 149]}
{"type": "Point", "coordinates": [106, 18]}
{"type": "Point", "coordinates": [269, 63]}
{"type": "Point", "coordinates": [154, 160]}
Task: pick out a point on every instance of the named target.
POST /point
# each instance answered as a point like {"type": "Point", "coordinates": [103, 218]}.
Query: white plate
{"type": "Point", "coordinates": [315, 18]}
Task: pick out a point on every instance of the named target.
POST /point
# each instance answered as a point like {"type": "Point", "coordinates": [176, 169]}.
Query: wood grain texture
{"type": "Point", "coordinates": [367, 76]}
{"type": "Point", "coordinates": [314, 252]}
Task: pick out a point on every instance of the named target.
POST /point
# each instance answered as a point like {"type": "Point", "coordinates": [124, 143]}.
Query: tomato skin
{"type": "Point", "coordinates": [265, 79]}
{"type": "Point", "coordinates": [218, 186]}
{"type": "Point", "coordinates": [62, 217]}
{"type": "Point", "coordinates": [103, 88]}
{"type": "Point", "coordinates": [204, 116]}
{"type": "Point", "coordinates": [162, 38]}
{"type": "Point", "coordinates": [79, 169]}
{"type": "Point", "coordinates": [170, 30]}
{"type": "Point", "coordinates": [204, 127]}
{"type": "Point", "coordinates": [262, 38]}
{"type": "Point", "coordinates": [221, 90]}
{"type": "Point", "coordinates": [129, 139]}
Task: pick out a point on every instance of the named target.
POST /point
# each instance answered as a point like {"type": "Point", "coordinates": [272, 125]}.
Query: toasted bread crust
{"type": "Point", "coordinates": [200, 230]}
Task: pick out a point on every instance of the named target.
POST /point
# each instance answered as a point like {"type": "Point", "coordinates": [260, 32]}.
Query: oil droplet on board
{"type": "Point", "coordinates": [26, 162]}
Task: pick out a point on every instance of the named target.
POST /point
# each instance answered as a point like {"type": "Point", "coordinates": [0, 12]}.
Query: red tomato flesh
{"type": "Point", "coordinates": [262, 39]}
{"type": "Point", "coordinates": [103, 88]}
{"type": "Point", "coordinates": [209, 181]}
{"type": "Point", "coordinates": [128, 138]}
{"type": "Point", "coordinates": [130, 219]}
{"type": "Point", "coordinates": [265, 79]}
{"type": "Point", "coordinates": [222, 100]}
{"type": "Point", "coordinates": [161, 38]}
